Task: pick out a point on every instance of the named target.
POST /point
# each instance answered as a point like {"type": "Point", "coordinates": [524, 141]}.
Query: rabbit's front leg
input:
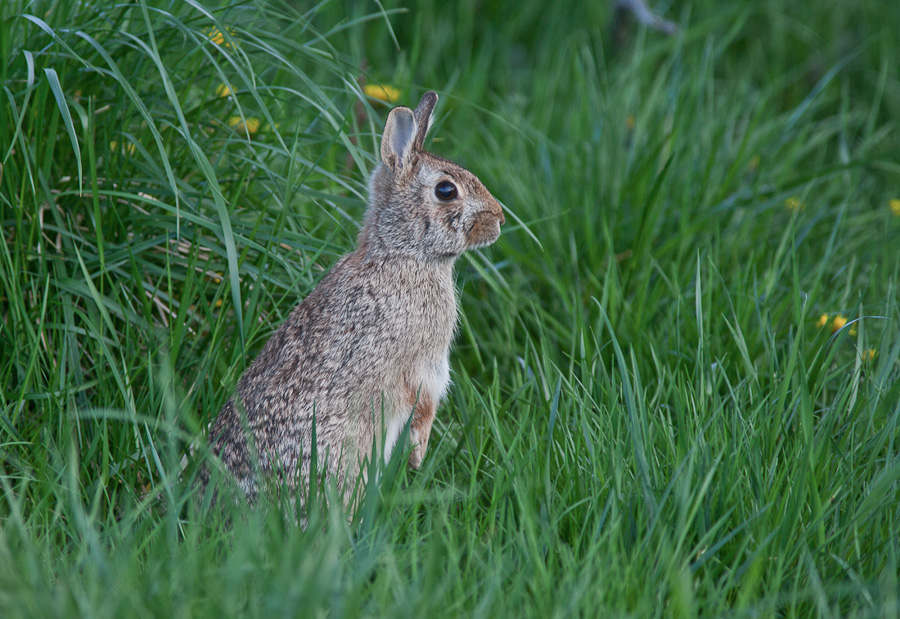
{"type": "Point", "coordinates": [420, 430]}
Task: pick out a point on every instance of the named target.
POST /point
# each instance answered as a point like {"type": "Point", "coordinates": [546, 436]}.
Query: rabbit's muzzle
{"type": "Point", "coordinates": [485, 228]}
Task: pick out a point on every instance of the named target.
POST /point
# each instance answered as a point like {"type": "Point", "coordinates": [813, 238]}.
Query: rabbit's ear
{"type": "Point", "coordinates": [423, 117]}
{"type": "Point", "coordinates": [398, 138]}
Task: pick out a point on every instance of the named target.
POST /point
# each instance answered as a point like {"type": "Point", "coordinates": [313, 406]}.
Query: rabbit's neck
{"type": "Point", "coordinates": [386, 235]}
{"type": "Point", "coordinates": [371, 249]}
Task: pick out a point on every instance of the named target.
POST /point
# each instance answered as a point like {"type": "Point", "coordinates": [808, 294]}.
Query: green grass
{"type": "Point", "coordinates": [646, 419]}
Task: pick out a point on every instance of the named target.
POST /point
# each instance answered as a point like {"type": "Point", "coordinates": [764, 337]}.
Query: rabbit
{"type": "Point", "coordinates": [368, 348]}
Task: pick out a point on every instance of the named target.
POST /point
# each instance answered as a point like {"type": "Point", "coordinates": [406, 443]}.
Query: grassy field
{"type": "Point", "coordinates": [677, 374]}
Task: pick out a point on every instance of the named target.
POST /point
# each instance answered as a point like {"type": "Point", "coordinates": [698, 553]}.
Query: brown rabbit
{"type": "Point", "coordinates": [369, 346]}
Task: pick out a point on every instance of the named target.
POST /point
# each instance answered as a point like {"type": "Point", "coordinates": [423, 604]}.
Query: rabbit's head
{"type": "Point", "coordinates": [422, 205]}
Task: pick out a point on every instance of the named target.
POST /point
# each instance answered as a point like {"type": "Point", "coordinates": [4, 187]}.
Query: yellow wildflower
{"type": "Point", "coordinates": [223, 90]}
{"type": "Point", "coordinates": [128, 147]}
{"type": "Point", "coordinates": [895, 206]}
{"type": "Point", "coordinates": [247, 127]}
{"type": "Point", "coordinates": [838, 323]}
{"type": "Point", "coordinates": [869, 355]}
{"type": "Point", "coordinates": [218, 302]}
{"type": "Point", "coordinates": [822, 321]}
{"type": "Point", "coordinates": [382, 92]}
{"type": "Point", "coordinates": [216, 36]}
{"type": "Point", "coordinates": [794, 204]}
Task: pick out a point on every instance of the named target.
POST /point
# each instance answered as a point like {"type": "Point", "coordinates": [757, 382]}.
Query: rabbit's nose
{"type": "Point", "coordinates": [496, 209]}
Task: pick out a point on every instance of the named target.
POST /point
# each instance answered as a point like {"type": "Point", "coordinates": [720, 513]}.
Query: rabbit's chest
{"type": "Point", "coordinates": [424, 319]}
{"type": "Point", "coordinates": [428, 384]}
{"type": "Point", "coordinates": [425, 362]}
{"type": "Point", "coordinates": [435, 379]}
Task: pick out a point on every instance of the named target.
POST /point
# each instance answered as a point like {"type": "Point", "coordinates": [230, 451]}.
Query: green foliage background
{"type": "Point", "coordinates": [653, 411]}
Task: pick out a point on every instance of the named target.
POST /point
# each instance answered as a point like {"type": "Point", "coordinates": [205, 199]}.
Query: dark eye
{"type": "Point", "coordinates": [445, 190]}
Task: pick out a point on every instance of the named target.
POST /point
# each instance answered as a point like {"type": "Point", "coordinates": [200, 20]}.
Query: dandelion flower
{"type": "Point", "coordinates": [223, 90]}
{"type": "Point", "coordinates": [247, 127]}
{"type": "Point", "coordinates": [869, 355]}
{"type": "Point", "coordinates": [838, 323]}
{"type": "Point", "coordinates": [128, 147]}
{"type": "Point", "coordinates": [382, 92]}
{"type": "Point", "coordinates": [216, 36]}
{"type": "Point", "coordinates": [794, 204]}
{"type": "Point", "coordinates": [895, 206]}
{"type": "Point", "coordinates": [822, 321]}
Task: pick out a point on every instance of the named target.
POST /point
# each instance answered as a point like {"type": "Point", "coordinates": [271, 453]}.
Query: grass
{"type": "Point", "coordinates": [650, 415]}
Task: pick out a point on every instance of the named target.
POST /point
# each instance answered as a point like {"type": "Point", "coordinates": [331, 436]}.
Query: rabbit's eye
{"type": "Point", "coordinates": [445, 190]}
